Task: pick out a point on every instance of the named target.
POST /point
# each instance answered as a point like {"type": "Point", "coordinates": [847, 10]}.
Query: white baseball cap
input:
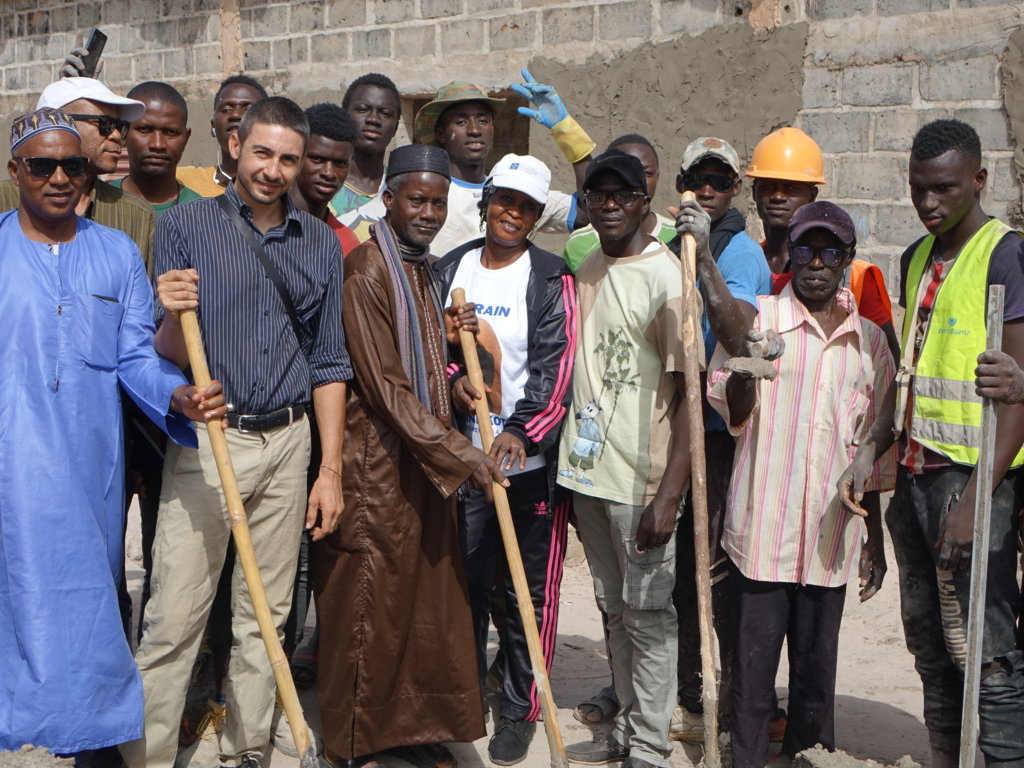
{"type": "Point", "coordinates": [523, 173]}
{"type": "Point", "coordinates": [61, 93]}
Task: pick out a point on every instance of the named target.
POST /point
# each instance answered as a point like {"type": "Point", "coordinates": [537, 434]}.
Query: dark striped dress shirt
{"type": "Point", "coordinates": [250, 341]}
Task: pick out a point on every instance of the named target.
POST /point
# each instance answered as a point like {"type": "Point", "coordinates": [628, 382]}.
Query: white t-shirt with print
{"type": "Point", "coordinates": [500, 298]}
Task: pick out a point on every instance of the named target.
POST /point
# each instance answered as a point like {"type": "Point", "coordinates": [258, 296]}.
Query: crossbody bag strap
{"type": "Point", "coordinates": [268, 266]}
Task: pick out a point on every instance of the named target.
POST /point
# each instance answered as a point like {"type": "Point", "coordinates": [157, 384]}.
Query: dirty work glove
{"type": "Point", "coordinates": [550, 112]}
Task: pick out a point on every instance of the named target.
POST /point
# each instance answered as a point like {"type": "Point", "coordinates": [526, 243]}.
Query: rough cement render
{"type": "Point", "coordinates": [33, 757]}
{"type": "Point", "coordinates": [680, 90]}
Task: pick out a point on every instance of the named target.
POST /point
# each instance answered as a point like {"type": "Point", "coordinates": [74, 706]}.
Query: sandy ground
{"type": "Point", "coordinates": [878, 706]}
{"type": "Point", "coordinates": [878, 709]}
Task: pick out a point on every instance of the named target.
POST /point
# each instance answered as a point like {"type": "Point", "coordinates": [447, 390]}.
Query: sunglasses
{"type": "Point", "coordinates": [45, 167]}
{"type": "Point", "coordinates": [105, 124]}
{"type": "Point", "coordinates": [804, 255]}
{"type": "Point", "coordinates": [622, 197]}
{"type": "Point", "coordinates": [718, 181]}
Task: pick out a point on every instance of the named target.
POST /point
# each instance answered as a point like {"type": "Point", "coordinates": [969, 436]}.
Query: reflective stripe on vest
{"type": "Point", "coordinates": [947, 412]}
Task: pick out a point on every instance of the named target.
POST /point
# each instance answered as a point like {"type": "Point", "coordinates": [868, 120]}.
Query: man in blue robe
{"type": "Point", "coordinates": [76, 315]}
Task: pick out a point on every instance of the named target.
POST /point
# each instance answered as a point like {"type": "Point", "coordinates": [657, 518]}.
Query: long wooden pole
{"type": "Point", "coordinates": [245, 552]}
{"type": "Point", "coordinates": [979, 551]}
{"type": "Point", "coordinates": [515, 560]}
{"type": "Point", "coordinates": [693, 341]}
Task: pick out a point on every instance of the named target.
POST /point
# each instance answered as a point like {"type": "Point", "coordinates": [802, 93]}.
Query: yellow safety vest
{"type": "Point", "coordinates": [947, 412]}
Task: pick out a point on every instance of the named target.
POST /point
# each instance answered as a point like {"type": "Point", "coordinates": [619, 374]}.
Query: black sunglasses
{"type": "Point", "coordinates": [45, 167]}
{"type": "Point", "coordinates": [106, 124]}
{"type": "Point", "coordinates": [622, 197]}
{"type": "Point", "coordinates": [804, 255]}
{"type": "Point", "coordinates": [718, 181]}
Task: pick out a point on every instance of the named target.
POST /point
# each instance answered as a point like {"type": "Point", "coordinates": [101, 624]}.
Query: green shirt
{"type": "Point", "coordinates": [583, 241]}
{"type": "Point", "coordinates": [185, 195]}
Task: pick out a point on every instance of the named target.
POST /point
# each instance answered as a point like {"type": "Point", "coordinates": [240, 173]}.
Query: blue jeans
{"type": "Point", "coordinates": [934, 606]}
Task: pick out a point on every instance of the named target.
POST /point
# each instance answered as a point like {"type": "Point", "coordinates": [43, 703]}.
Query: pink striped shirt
{"type": "Point", "coordinates": [784, 522]}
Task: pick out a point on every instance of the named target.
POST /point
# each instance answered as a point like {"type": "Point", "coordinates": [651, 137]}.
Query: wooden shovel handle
{"type": "Point", "coordinates": [512, 555]}
{"type": "Point", "coordinates": [243, 542]}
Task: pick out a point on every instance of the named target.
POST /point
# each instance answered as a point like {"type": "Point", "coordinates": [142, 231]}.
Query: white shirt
{"type": "Point", "coordinates": [500, 298]}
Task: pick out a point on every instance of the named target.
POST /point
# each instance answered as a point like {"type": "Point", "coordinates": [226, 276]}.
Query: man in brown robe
{"type": "Point", "coordinates": [396, 645]}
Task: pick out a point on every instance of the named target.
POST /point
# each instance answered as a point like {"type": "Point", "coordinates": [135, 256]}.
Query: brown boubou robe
{"type": "Point", "coordinates": [397, 663]}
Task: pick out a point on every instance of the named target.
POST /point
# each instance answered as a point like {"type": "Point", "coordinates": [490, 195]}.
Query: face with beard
{"type": "Point", "coordinates": [268, 161]}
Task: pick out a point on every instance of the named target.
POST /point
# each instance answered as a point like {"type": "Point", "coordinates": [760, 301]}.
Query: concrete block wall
{"type": "Point", "coordinates": [873, 70]}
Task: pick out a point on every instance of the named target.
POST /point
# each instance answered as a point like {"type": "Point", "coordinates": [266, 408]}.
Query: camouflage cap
{"type": "Point", "coordinates": [453, 92]}
{"type": "Point", "coordinates": [26, 126]}
{"type": "Point", "coordinates": [709, 146]}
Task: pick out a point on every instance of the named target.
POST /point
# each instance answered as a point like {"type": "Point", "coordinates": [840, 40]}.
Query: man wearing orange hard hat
{"type": "Point", "coordinates": [787, 167]}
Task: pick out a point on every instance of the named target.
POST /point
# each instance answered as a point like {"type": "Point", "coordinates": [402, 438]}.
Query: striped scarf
{"type": "Point", "coordinates": [408, 329]}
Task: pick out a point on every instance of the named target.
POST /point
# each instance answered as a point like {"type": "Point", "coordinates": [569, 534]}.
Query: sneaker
{"type": "Point", "coordinates": [511, 741]}
{"type": "Point", "coordinates": [686, 726]}
{"type": "Point", "coordinates": [281, 735]}
{"type": "Point", "coordinates": [207, 751]}
{"type": "Point", "coordinates": [598, 751]}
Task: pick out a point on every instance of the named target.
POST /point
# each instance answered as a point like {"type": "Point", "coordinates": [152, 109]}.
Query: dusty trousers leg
{"type": "Point", "coordinates": [934, 606]}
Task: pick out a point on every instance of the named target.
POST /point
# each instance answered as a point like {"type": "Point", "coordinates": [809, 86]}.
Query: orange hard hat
{"type": "Point", "coordinates": [788, 154]}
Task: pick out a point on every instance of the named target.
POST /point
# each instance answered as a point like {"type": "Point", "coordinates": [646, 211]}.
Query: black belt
{"type": "Point", "coordinates": [266, 421]}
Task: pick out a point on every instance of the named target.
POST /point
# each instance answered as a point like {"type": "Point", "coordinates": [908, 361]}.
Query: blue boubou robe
{"type": "Point", "coordinates": [73, 325]}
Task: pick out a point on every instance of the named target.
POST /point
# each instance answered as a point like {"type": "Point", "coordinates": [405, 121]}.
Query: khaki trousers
{"type": "Point", "coordinates": [188, 554]}
{"type": "Point", "coordinates": [634, 589]}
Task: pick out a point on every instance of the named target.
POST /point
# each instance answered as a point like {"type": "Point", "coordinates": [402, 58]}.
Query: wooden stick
{"type": "Point", "coordinates": [693, 340]}
{"type": "Point", "coordinates": [515, 560]}
{"type": "Point", "coordinates": [246, 554]}
{"type": "Point", "coordinates": [979, 550]}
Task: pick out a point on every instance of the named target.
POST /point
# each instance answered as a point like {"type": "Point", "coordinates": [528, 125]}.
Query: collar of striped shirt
{"type": "Point", "coordinates": [792, 313]}
{"type": "Point", "coordinates": [291, 215]}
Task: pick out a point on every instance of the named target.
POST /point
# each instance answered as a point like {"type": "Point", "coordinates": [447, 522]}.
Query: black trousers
{"type": "Point", "coordinates": [541, 526]}
{"type": "Point", "coordinates": [808, 618]}
{"type": "Point", "coordinates": [935, 604]}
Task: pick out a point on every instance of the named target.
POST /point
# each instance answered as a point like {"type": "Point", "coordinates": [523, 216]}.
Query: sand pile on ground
{"type": "Point", "coordinates": [33, 757]}
{"type": "Point", "coordinates": [819, 757]}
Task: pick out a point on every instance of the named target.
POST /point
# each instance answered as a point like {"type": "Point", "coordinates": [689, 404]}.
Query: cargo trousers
{"type": "Point", "coordinates": [634, 589]}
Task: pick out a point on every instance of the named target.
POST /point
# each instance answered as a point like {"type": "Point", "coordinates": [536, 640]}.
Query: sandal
{"type": "Point", "coordinates": [426, 756]}
{"type": "Point", "coordinates": [600, 709]}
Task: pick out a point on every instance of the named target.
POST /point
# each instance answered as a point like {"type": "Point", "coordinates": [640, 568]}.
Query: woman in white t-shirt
{"type": "Point", "coordinates": [526, 306]}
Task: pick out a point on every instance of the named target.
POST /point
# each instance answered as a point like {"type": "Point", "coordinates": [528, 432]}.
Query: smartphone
{"type": "Point", "coordinates": [95, 48]}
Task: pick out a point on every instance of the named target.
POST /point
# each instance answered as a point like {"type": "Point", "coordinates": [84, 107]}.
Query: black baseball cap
{"type": "Point", "coordinates": [626, 167]}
